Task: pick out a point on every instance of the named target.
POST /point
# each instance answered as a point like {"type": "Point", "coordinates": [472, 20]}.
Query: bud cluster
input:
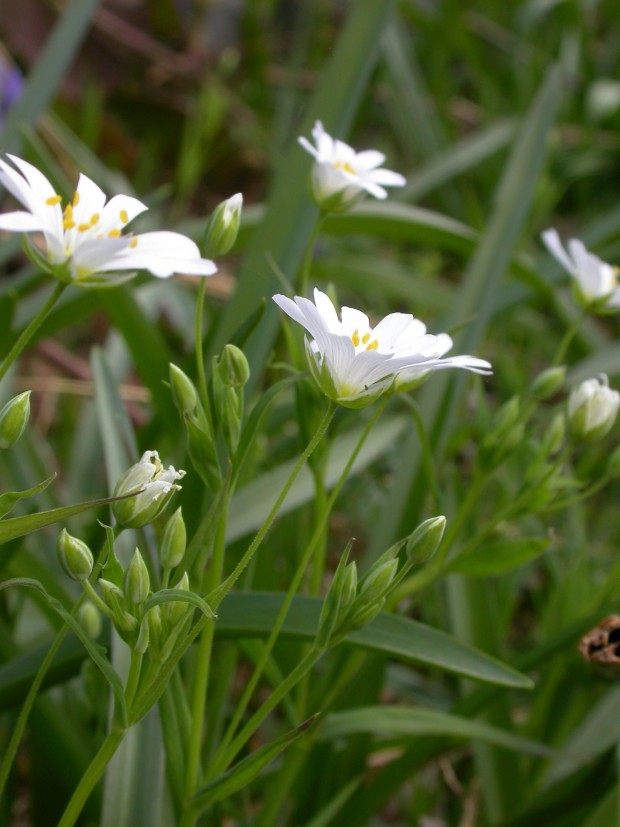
{"type": "Point", "coordinates": [351, 603]}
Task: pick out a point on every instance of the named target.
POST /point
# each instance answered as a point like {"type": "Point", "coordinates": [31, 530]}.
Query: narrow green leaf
{"type": "Point", "coordinates": [11, 498]}
{"type": "Point", "coordinates": [246, 771]}
{"type": "Point", "coordinates": [179, 596]}
{"type": "Point", "coordinates": [499, 556]}
{"type": "Point", "coordinates": [401, 722]}
{"type": "Point", "coordinates": [18, 526]}
{"type": "Point", "coordinates": [94, 650]}
{"type": "Point", "coordinates": [252, 614]}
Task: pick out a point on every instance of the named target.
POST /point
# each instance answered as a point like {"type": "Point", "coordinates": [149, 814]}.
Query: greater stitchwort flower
{"type": "Point", "coordinates": [592, 408]}
{"type": "Point", "coordinates": [341, 176]}
{"type": "Point", "coordinates": [354, 363]}
{"type": "Point", "coordinates": [85, 242]}
{"type": "Point", "coordinates": [595, 281]}
{"type": "Point", "coordinates": [156, 485]}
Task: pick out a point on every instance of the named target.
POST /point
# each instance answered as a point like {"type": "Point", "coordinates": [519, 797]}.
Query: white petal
{"type": "Point", "coordinates": [328, 312]}
{"type": "Point", "coordinates": [324, 142]}
{"type": "Point", "coordinates": [374, 189]}
{"type": "Point", "coordinates": [353, 320]}
{"type": "Point", "coordinates": [20, 222]}
{"type": "Point", "coordinates": [391, 328]}
{"type": "Point", "coordinates": [39, 184]}
{"type": "Point", "coordinates": [290, 308]}
{"type": "Point", "coordinates": [369, 159]}
{"type": "Point", "coordinates": [386, 177]}
{"type": "Point", "coordinates": [308, 146]}
{"type": "Point", "coordinates": [162, 254]}
{"type": "Point", "coordinates": [552, 242]}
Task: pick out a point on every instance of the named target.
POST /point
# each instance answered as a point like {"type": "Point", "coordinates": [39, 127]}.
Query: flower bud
{"type": "Point", "coordinates": [203, 453]}
{"type": "Point", "coordinates": [233, 367]}
{"type": "Point", "coordinates": [115, 599]}
{"type": "Point", "coordinates": [548, 383]}
{"type": "Point", "coordinates": [506, 416]}
{"type": "Point", "coordinates": [425, 540]}
{"type": "Point", "coordinates": [13, 419]}
{"type": "Point", "coordinates": [553, 438]}
{"type": "Point", "coordinates": [592, 409]}
{"type": "Point", "coordinates": [172, 546]}
{"type": "Point", "coordinates": [156, 486]}
{"type": "Point", "coordinates": [74, 556]}
{"type": "Point", "coordinates": [613, 464]}
{"type": "Point", "coordinates": [183, 391]}
{"type": "Point", "coordinates": [137, 582]}
{"type": "Point", "coordinates": [331, 611]}
{"type": "Point", "coordinates": [376, 583]}
{"type": "Point", "coordinates": [89, 618]}
{"type": "Point", "coordinates": [142, 643]}
{"type": "Point", "coordinates": [349, 587]}
{"type": "Point", "coordinates": [154, 620]}
{"type": "Point", "coordinates": [175, 610]}
{"type": "Point", "coordinates": [223, 227]}
{"type": "Point", "coordinates": [330, 191]}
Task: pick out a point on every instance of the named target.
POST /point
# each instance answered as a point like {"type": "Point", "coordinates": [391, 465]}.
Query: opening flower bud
{"type": "Point", "coordinates": [89, 618]}
{"type": "Point", "coordinates": [172, 547]}
{"type": "Point", "coordinates": [155, 486]}
{"type": "Point", "coordinates": [137, 582]}
{"type": "Point", "coordinates": [175, 610]}
{"type": "Point", "coordinates": [74, 556]}
{"type": "Point", "coordinates": [223, 226]}
{"type": "Point", "coordinates": [425, 540]}
{"type": "Point", "coordinates": [592, 409]}
{"type": "Point", "coordinates": [233, 367]}
{"type": "Point", "coordinates": [13, 419]}
{"type": "Point", "coordinates": [549, 382]}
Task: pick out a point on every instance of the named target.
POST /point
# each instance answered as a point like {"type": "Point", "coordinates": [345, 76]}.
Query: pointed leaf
{"type": "Point", "coordinates": [11, 498]}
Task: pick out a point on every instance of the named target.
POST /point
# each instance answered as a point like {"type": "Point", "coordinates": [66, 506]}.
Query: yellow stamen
{"type": "Point", "coordinates": [373, 345]}
{"type": "Point", "coordinates": [68, 213]}
{"type": "Point", "coordinates": [114, 233]}
{"type": "Point", "coordinates": [124, 216]}
{"type": "Point", "coordinates": [83, 227]}
{"type": "Point", "coordinates": [345, 166]}
{"type": "Point", "coordinates": [94, 218]}
{"type": "Point", "coordinates": [355, 338]}
{"type": "Point", "coordinates": [68, 224]}
{"type": "Point", "coordinates": [53, 200]}
{"type": "Point", "coordinates": [76, 198]}
{"type": "Point", "coordinates": [365, 338]}
{"type": "Point", "coordinates": [134, 242]}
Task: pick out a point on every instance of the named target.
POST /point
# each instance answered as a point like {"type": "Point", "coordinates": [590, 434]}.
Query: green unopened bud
{"type": "Point", "coordinates": [361, 616]}
{"type": "Point", "coordinates": [115, 599]}
{"type": "Point", "coordinates": [172, 547]}
{"type": "Point", "coordinates": [176, 609]}
{"type": "Point", "coordinates": [592, 409]}
{"type": "Point", "coordinates": [613, 464]}
{"type": "Point", "coordinates": [233, 367]}
{"type": "Point", "coordinates": [142, 642]}
{"type": "Point", "coordinates": [89, 618]}
{"type": "Point", "coordinates": [506, 416]}
{"type": "Point", "coordinates": [156, 486]}
{"type": "Point", "coordinates": [137, 582]}
{"type": "Point", "coordinates": [549, 382]}
{"type": "Point", "coordinates": [425, 540]}
{"type": "Point", "coordinates": [183, 391]}
{"type": "Point", "coordinates": [349, 588]}
{"type": "Point", "coordinates": [331, 611]}
{"type": "Point", "coordinates": [376, 583]}
{"type": "Point", "coordinates": [553, 438]}
{"type": "Point", "coordinates": [223, 227]}
{"type": "Point", "coordinates": [13, 419]}
{"type": "Point", "coordinates": [74, 556]}
{"type": "Point", "coordinates": [154, 619]}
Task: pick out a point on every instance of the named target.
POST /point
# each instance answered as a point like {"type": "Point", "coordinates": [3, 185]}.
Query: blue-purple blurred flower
{"type": "Point", "coordinates": [11, 85]}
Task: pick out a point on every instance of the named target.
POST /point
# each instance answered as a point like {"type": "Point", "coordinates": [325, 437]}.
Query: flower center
{"type": "Point", "coordinates": [345, 166]}
{"type": "Point", "coordinates": [364, 340]}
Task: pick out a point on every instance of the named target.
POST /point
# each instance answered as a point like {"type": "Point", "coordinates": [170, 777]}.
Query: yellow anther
{"type": "Point", "coordinates": [365, 338]}
{"type": "Point", "coordinates": [94, 218]}
{"type": "Point", "coordinates": [83, 227]}
{"type": "Point", "coordinates": [355, 338]}
{"type": "Point", "coordinates": [68, 213]}
{"type": "Point", "coordinates": [114, 233]}
{"type": "Point", "coordinates": [76, 198]}
{"type": "Point", "coordinates": [344, 165]}
{"type": "Point", "coordinates": [134, 242]}
{"type": "Point", "coordinates": [53, 200]}
{"type": "Point", "coordinates": [373, 345]}
{"type": "Point", "coordinates": [68, 224]}
{"type": "Point", "coordinates": [124, 216]}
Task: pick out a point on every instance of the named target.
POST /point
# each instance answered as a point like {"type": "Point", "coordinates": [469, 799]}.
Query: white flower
{"type": "Point", "coordinates": [596, 282]}
{"type": "Point", "coordinates": [341, 176]}
{"type": "Point", "coordinates": [84, 242]}
{"type": "Point", "coordinates": [592, 408]}
{"type": "Point", "coordinates": [354, 363]}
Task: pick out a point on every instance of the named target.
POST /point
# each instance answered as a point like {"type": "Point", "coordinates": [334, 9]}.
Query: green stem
{"type": "Point", "coordinates": [568, 338]}
{"type": "Point", "coordinates": [200, 362]}
{"type": "Point", "coordinates": [133, 678]}
{"type": "Point", "coordinates": [205, 647]}
{"type": "Point", "coordinates": [302, 668]}
{"type": "Point", "coordinates": [92, 775]}
{"type": "Point", "coordinates": [215, 598]}
{"type": "Point", "coordinates": [307, 262]}
{"type": "Point", "coordinates": [32, 328]}
{"type": "Point", "coordinates": [248, 691]}
{"type": "Point", "coordinates": [94, 598]}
